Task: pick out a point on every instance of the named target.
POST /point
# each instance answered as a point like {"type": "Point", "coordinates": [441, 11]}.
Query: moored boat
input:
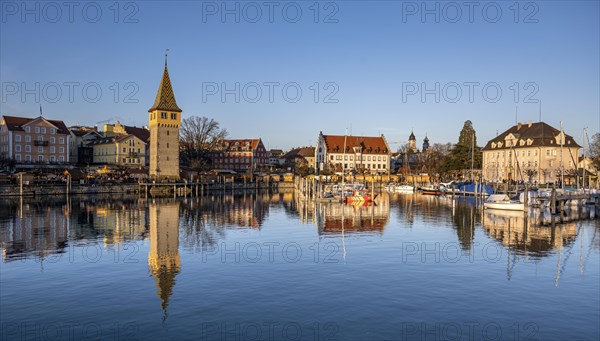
{"type": "Point", "coordinates": [503, 202]}
{"type": "Point", "coordinates": [405, 189]}
{"type": "Point", "coordinates": [359, 196]}
{"type": "Point", "coordinates": [434, 189]}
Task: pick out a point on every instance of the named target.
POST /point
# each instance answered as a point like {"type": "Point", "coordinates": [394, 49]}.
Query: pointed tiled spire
{"type": "Point", "coordinates": [412, 136]}
{"type": "Point", "coordinates": [165, 98]}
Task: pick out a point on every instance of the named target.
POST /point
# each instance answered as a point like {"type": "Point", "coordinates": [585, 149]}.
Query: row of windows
{"type": "Point", "coordinates": [549, 152]}
{"type": "Point", "coordinates": [127, 160]}
{"type": "Point", "coordinates": [39, 129]}
{"type": "Point", "coordinates": [61, 140]}
{"type": "Point", "coordinates": [368, 166]}
{"type": "Point", "coordinates": [163, 115]}
{"type": "Point", "coordinates": [551, 163]}
{"type": "Point", "coordinates": [256, 154]}
{"type": "Point", "coordinates": [358, 158]}
{"type": "Point", "coordinates": [232, 160]}
{"type": "Point", "coordinates": [40, 158]}
{"type": "Point", "coordinates": [40, 149]}
{"type": "Point", "coordinates": [501, 174]}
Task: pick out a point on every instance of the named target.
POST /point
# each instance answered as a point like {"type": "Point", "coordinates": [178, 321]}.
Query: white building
{"type": "Point", "coordinates": [352, 153]}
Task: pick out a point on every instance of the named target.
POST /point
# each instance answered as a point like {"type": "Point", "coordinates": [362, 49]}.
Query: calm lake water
{"type": "Point", "coordinates": [274, 267]}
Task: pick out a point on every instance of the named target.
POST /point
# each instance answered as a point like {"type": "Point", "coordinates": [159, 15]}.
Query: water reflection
{"type": "Point", "coordinates": [40, 228]}
{"type": "Point", "coordinates": [335, 218]}
{"type": "Point", "coordinates": [176, 231]}
{"type": "Point", "coordinates": [163, 257]}
{"type": "Point", "coordinates": [519, 232]}
{"type": "Point", "coordinates": [33, 230]}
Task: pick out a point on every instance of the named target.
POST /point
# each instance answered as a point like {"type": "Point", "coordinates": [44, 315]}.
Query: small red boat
{"type": "Point", "coordinates": [359, 196]}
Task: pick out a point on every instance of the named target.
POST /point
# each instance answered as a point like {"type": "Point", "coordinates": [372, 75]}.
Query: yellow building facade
{"type": "Point", "coordinates": [530, 152]}
{"type": "Point", "coordinates": [122, 150]}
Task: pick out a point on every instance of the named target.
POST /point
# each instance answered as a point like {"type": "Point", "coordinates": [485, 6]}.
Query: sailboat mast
{"type": "Point", "coordinates": [562, 162]}
{"type": "Point", "coordinates": [472, 155]}
{"type": "Point", "coordinates": [344, 166]}
{"type": "Point", "coordinates": [584, 162]}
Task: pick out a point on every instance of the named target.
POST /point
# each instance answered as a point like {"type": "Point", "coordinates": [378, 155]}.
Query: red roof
{"type": "Point", "coordinates": [368, 144]}
{"type": "Point", "coordinates": [241, 143]}
{"type": "Point", "coordinates": [141, 133]}
{"type": "Point", "coordinates": [302, 151]}
{"type": "Point", "coordinates": [14, 123]}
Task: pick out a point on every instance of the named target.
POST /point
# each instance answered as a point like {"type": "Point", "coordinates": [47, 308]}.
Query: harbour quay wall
{"type": "Point", "coordinates": [42, 190]}
{"type": "Point", "coordinates": [7, 190]}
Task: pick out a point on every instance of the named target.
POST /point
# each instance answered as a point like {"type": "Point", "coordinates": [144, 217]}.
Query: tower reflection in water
{"type": "Point", "coordinates": [163, 258]}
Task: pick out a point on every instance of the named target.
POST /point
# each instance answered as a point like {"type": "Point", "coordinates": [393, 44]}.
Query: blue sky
{"type": "Point", "coordinates": [371, 61]}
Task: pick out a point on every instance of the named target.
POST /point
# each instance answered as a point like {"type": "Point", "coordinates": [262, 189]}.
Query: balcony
{"type": "Point", "coordinates": [40, 143]}
{"type": "Point", "coordinates": [133, 154]}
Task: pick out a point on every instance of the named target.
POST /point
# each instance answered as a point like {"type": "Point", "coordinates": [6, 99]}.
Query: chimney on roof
{"type": "Point", "coordinates": [519, 125]}
{"type": "Point", "coordinates": [529, 124]}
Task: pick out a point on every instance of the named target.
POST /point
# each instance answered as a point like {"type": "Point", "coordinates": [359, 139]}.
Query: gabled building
{"type": "Point", "coordinates": [300, 156]}
{"type": "Point", "coordinates": [339, 153]}
{"type": "Point", "coordinates": [120, 150]}
{"type": "Point", "coordinates": [275, 157]}
{"type": "Point", "coordinates": [81, 152]}
{"type": "Point", "coordinates": [243, 154]}
{"type": "Point", "coordinates": [531, 152]}
{"type": "Point", "coordinates": [141, 133]}
{"type": "Point", "coordinates": [34, 140]}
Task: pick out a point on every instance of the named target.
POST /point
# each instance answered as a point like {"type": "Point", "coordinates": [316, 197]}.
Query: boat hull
{"type": "Point", "coordinates": [405, 189]}
{"type": "Point", "coordinates": [509, 206]}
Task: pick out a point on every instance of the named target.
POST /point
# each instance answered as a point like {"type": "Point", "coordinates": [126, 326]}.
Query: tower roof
{"type": "Point", "coordinates": [412, 136]}
{"type": "Point", "coordinates": [426, 139]}
{"type": "Point", "coordinates": [165, 98]}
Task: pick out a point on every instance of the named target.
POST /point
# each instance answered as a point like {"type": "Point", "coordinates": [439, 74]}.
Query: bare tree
{"type": "Point", "coordinates": [199, 137]}
{"type": "Point", "coordinates": [530, 173]}
{"type": "Point", "coordinates": [594, 149]}
{"type": "Point", "coordinates": [436, 157]}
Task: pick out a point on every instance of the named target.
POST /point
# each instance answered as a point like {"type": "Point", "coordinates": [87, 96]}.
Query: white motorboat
{"type": "Point", "coordinates": [391, 187]}
{"type": "Point", "coordinates": [405, 189]}
{"type": "Point", "coordinates": [503, 202]}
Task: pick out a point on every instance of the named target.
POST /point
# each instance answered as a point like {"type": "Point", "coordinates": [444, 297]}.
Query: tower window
{"type": "Point", "coordinates": [173, 116]}
{"type": "Point", "coordinates": [167, 133]}
{"type": "Point", "coordinates": [163, 115]}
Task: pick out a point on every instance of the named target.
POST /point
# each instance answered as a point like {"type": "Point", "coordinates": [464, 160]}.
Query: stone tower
{"type": "Point", "coordinates": [425, 144]}
{"type": "Point", "coordinates": [412, 142]}
{"type": "Point", "coordinates": [165, 119]}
